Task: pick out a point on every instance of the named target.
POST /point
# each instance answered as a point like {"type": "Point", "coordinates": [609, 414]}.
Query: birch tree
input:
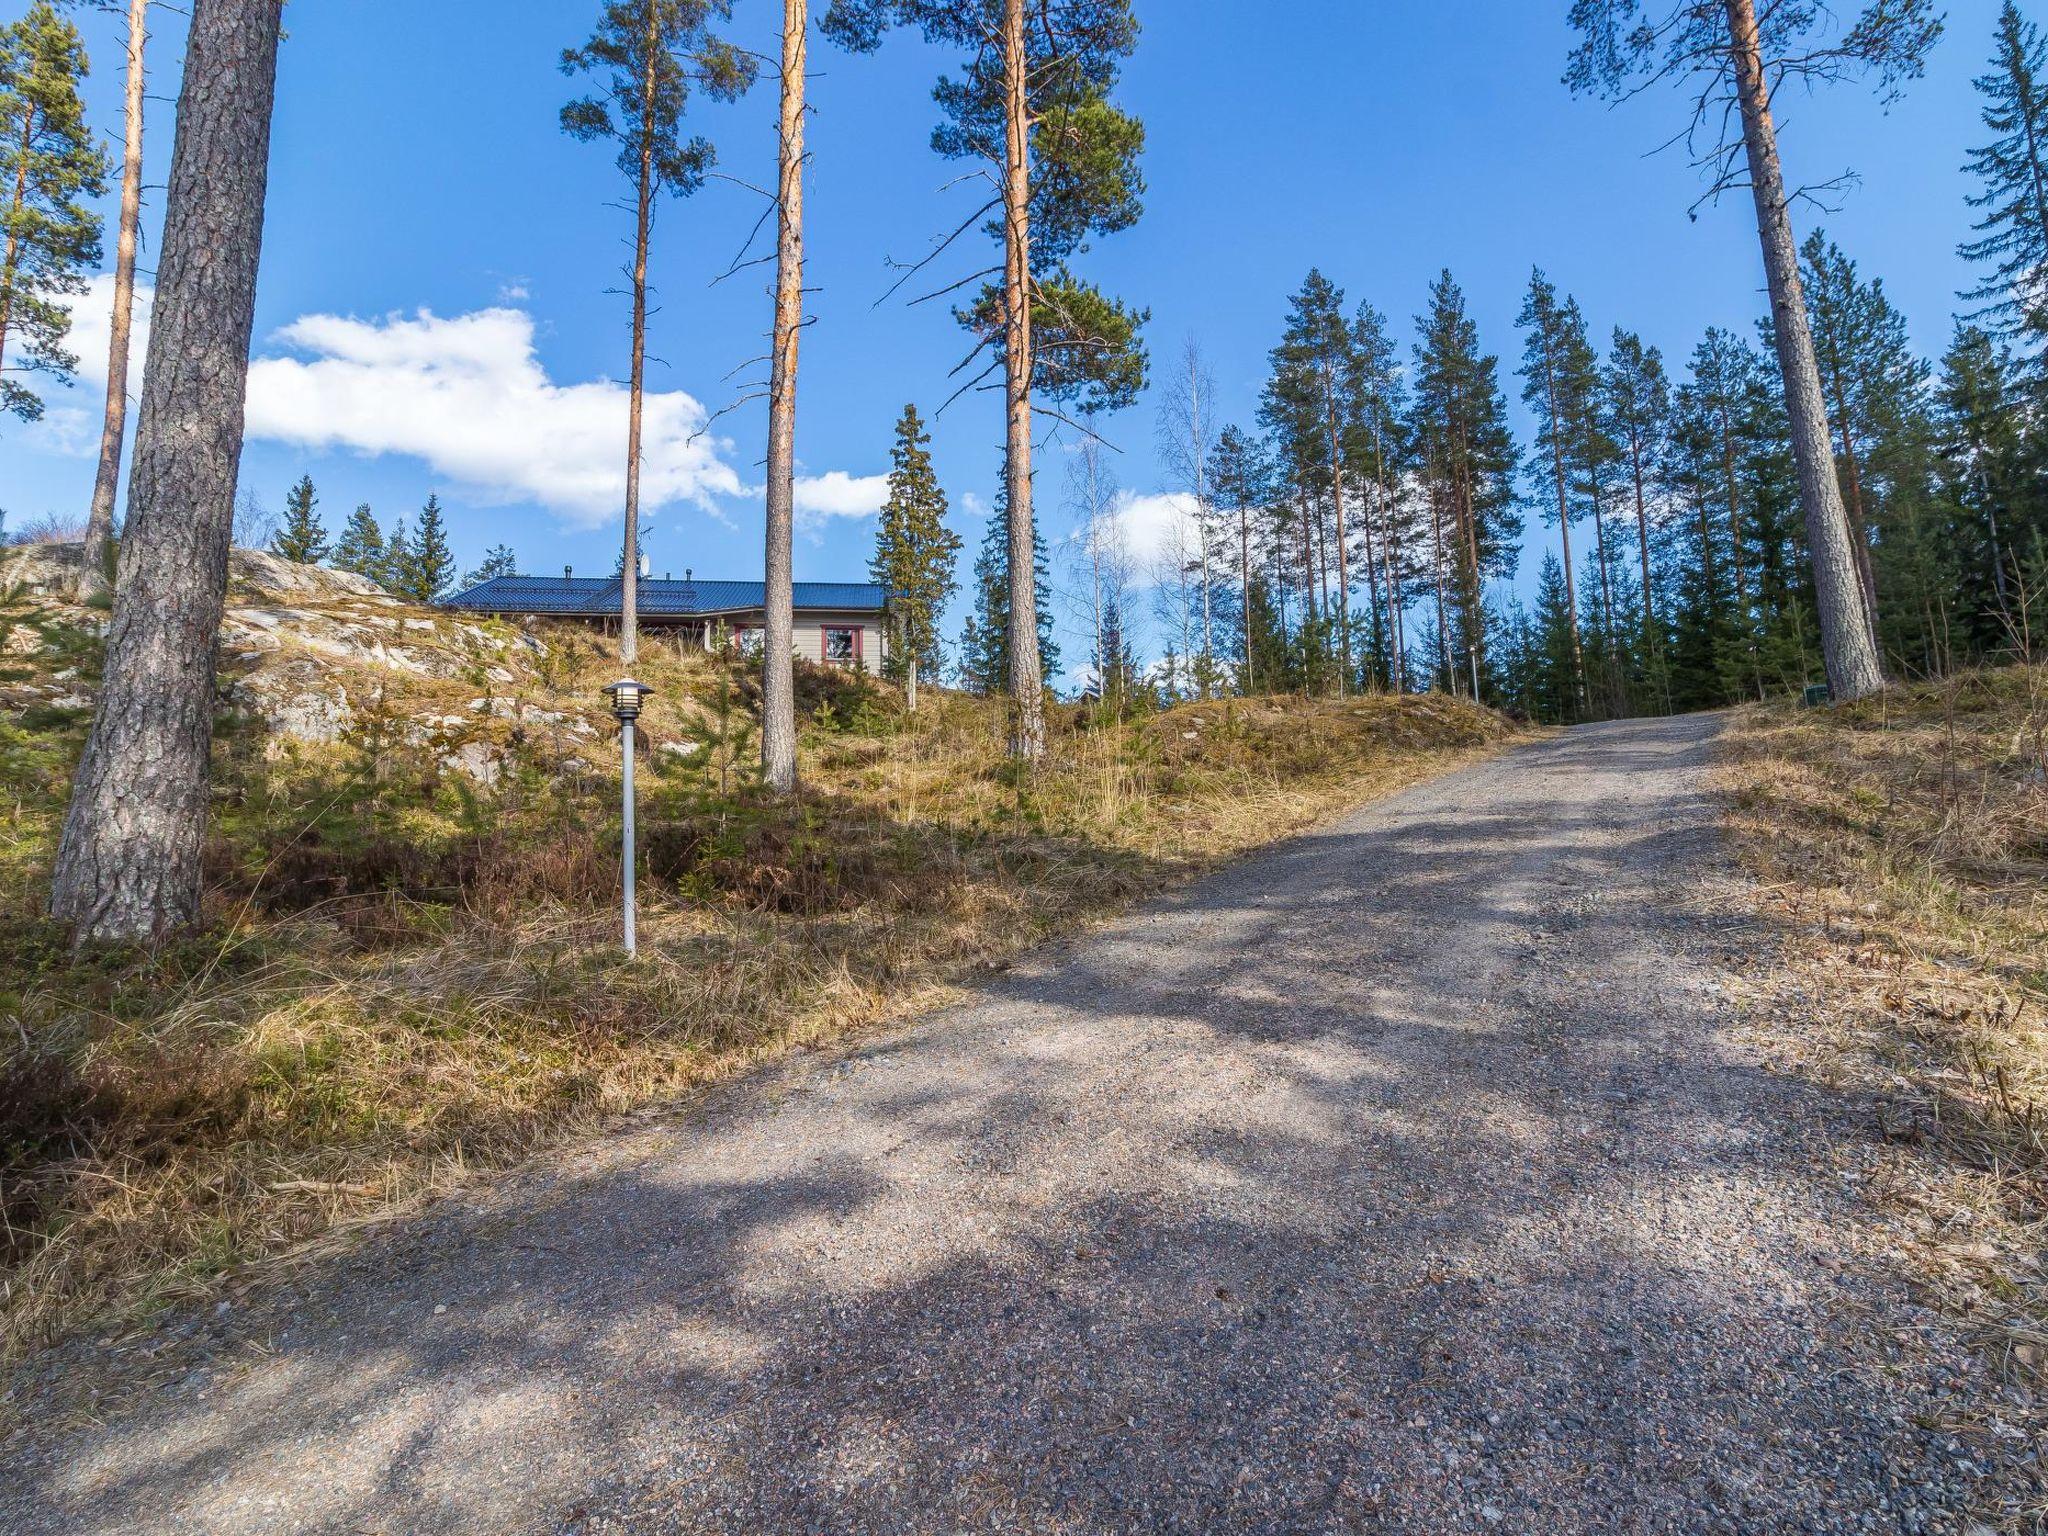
{"type": "Point", "coordinates": [128, 861]}
{"type": "Point", "coordinates": [1031, 107]}
{"type": "Point", "coordinates": [1187, 439]}
{"type": "Point", "coordinates": [1739, 61]}
{"type": "Point", "coordinates": [648, 55]}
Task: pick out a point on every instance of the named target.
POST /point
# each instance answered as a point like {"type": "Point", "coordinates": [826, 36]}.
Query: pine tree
{"type": "Point", "coordinates": [1741, 61]}
{"type": "Point", "coordinates": [1636, 415]}
{"type": "Point", "coordinates": [649, 55]}
{"type": "Point", "coordinates": [1377, 447]}
{"type": "Point", "coordinates": [361, 547]}
{"type": "Point", "coordinates": [1310, 404]}
{"type": "Point", "coordinates": [2012, 236]}
{"type": "Point", "coordinates": [423, 564]}
{"type": "Point", "coordinates": [51, 170]}
{"type": "Point", "coordinates": [1032, 104]}
{"type": "Point", "coordinates": [128, 864]}
{"type": "Point", "coordinates": [302, 538]}
{"type": "Point", "coordinates": [1559, 376]}
{"type": "Point", "coordinates": [778, 649]}
{"type": "Point", "coordinates": [1465, 457]}
{"type": "Point", "coordinates": [915, 559]}
{"type": "Point", "coordinates": [498, 561]}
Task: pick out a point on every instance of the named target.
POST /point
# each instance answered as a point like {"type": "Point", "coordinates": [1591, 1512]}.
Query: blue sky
{"type": "Point", "coordinates": [440, 310]}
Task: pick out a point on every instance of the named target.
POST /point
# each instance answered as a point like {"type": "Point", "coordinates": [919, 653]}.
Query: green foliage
{"type": "Point", "coordinates": [916, 554]}
{"type": "Point", "coordinates": [420, 566]}
{"type": "Point", "coordinates": [498, 561]}
{"type": "Point", "coordinates": [362, 547]}
{"type": "Point", "coordinates": [2012, 235]}
{"type": "Point", "coordinates": [1085, 177]}
{"type": "Point", "coordinates": [302, 538]}
{"type": "Point", "coordinates": [985, 639]}
{"type": "Point", "coordinates": [51, 170]}
{"type": "Point", "coordinates": [670, 41]}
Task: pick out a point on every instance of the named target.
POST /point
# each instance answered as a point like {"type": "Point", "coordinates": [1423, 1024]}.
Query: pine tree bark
{"type": "Point", "coordinates": [1564, 521]}
{"type": "Point", "coordinates": [643, 228]}
{"type": "Point", "coordinates": [778, 694]}
{"type": "Point", "coordinates": [99, 525]}
{"type": "Point", "coordinates": [1027, 678]}
{"type": "Point", "coordinates": [128, 863]}
{"type": "Point", "coordinates": [1845, 623]}
{"type": "Point", "coordinates": [1343, 544]}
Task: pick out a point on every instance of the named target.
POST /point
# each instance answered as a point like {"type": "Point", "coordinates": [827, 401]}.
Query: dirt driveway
{"type": "Point", "coordinates": [1400, 1179]}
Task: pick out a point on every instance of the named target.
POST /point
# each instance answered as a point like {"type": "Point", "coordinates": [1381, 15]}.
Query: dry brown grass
{"type": "Point", "coordinates": [1901, 847]}
{"type": "Point", "coordinates": [412, 977]}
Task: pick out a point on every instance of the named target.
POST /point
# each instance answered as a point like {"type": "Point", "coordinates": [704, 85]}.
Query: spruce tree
{"type": "Point", "coordinates": [302, 538]}
{"type": "Point", "coordinates": [915, 558]}
{"type": "Point", "coordinates": [1985, 454]}
{"type": "Point", "coordinates": [423, 564]}
{"type": "Point", "coordinates": [985, 638]}
{"type": "Point", "coordinates": [498, 561]}
{"type": "Point", "coordinates": [51, 169]}
{"type": "Point", "coordinates": [2012, 235]}
{"type": "Point", "coordinates": [361, 547]}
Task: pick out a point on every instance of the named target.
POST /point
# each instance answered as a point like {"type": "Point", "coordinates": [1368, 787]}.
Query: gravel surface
{"type": "Point", "coordinates": [1399, 1179]}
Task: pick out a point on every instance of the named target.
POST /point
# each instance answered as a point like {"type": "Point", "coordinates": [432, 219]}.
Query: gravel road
{"type": "Point", "coordinates": [1402, 1178]}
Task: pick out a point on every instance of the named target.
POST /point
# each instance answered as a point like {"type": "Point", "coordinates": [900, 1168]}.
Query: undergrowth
{"type": "Point", "coordinates": [410, 969]}
{"type": "Point", "coordinates": [1901, 848]}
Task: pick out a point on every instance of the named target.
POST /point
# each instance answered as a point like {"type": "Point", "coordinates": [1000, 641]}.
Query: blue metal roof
{"type": "Point", "coordinates": [599, 597]}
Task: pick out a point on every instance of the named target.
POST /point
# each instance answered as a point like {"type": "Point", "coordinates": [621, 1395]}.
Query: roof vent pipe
{"type": "Point", "coordinates": [568, 571]}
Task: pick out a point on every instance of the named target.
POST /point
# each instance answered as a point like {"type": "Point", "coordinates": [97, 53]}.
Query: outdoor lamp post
{"type": "Point", "coordinates": [626, 698]}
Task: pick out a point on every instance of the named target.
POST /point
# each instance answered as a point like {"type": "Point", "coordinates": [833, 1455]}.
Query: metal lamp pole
{"type": "Point", "coordinates": [627, 697]}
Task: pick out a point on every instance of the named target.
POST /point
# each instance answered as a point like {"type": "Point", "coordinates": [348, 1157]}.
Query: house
{"type": "Point", "coordinates": [839, 623]}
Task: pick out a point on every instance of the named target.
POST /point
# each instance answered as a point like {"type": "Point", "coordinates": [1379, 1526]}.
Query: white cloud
{"type": "Point", "coordinates": [1155, 527]}
{"type": "Point", "coordinates": [468, 396]}
{"type": "Point", "coordinates": [838, 494]}
{"type": "Point", "coordinates": [71, 417]}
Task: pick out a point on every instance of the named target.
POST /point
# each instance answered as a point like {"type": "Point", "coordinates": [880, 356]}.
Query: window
{"type": "Point", "coordinates": [842, 646]}
{"type": "Point", "coordinates": [747, 641]}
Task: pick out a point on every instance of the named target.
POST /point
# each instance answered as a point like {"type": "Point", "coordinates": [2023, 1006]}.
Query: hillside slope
{"type": "Point", "coordinates": [410, 966]}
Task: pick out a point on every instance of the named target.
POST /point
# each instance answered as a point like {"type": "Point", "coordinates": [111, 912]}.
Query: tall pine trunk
{"type": "Point", "coordinates": [1343, 544]}
{"type": "Point", "coordinates": [99, 526]}
{"type": "Point", "coordinates": [778, 695]}
{"type": "Point", "coordinates": [1027, 679]}
{"type": "Point", "coordinates": [128, 864]}
{"type": "Point", "coordinates": [629, 572]}
{"type": "Point", "coordinates": [1845, 622]}
{"type": "Point", "coordinates": [1564, 523]}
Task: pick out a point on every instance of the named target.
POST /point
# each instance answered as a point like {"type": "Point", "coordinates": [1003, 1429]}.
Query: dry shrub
{"type": "Point", "coordinates": [410, 979]}
{"type": "Point", "coordinates": [1898, 845]}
